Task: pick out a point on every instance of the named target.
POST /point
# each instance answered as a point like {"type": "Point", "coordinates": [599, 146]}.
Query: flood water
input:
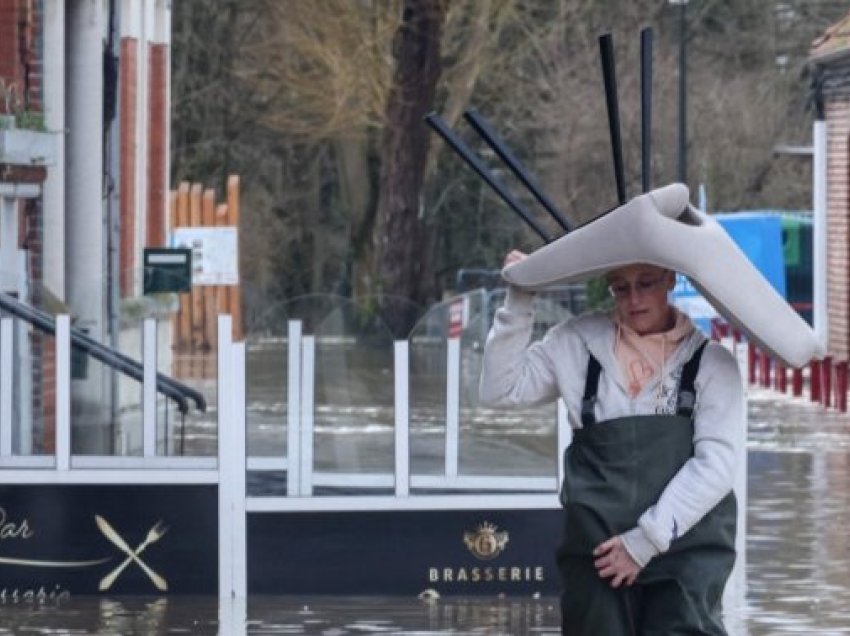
{"type": "Point", "coordinates": [798, 563]}
{"type": "Point", "coordinates": [798, 546]}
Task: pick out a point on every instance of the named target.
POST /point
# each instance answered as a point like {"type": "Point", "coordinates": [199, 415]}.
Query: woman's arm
{"type": "Point", "coordinates": [706, 477]}
{"type": "Point", "coordinates": [514, 373]}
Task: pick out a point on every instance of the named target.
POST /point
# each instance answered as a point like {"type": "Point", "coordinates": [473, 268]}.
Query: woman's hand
{"type": "Point", "coordinates": [612, 560]}
{"type": "Point", "coordinates": [514, 256]}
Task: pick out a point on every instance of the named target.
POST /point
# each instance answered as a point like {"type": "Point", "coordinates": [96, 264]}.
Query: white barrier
{"type": "Point", "coordinates": [228, 470]}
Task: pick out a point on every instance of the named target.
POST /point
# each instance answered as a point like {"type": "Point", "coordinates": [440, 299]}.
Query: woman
{"type": "Point", "coordinates": [657, 414]}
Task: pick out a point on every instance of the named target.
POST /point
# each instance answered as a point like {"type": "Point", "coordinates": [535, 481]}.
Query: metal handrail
{"type": "Point", "coordinates": [166, 385]}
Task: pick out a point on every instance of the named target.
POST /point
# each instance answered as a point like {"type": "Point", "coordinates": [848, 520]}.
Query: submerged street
{"type": "Point", "coordinates": [798, 555]}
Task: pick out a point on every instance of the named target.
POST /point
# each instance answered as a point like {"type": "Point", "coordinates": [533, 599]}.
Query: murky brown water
{"type": "Point", "coordinates": [272, 615]}
{"type": "Point", "coordinates": [798, 545]}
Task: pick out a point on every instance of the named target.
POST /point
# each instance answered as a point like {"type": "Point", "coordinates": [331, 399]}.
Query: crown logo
{"type": "Point", "coordinates": [486, 541]}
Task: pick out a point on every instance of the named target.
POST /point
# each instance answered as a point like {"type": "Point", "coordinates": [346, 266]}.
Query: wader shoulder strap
{"type": "Point", "coordinates": [687, 393]}
{"type": "Point", "coordinates": [685, 401]}
{"type": "Point", "coordinates": [591, 385]}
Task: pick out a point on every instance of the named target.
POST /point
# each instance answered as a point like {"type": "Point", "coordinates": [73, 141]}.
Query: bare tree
{"type": "Point", "coordinates": [398, 232]}
{"type": "Point", "coordinates": [298, 97]}
{"type": "Point", "coordinates": [328, 72]}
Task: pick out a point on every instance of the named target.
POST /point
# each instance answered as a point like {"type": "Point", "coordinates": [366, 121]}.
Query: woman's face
{"type": "Point", "coordinates": [640, 297]}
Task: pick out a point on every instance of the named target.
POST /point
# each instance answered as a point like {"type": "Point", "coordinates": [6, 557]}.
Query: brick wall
{"type": "Point", "coordinates": [128, 87]}
{"type": "Point", "coordinates": [31, 40]}
{"type": "Point", "coordinates": [43, 348]}
{"type": "Point", "coordinates": [157, 151]}
{"type": "Point", "coordinates": [21, 70]}
{"type": "Point", "coordinates": [838, 226]}
{"type": "Point", "coordinates": [9, 67]}
{"type": "Point", "coordinates": [21, 53]}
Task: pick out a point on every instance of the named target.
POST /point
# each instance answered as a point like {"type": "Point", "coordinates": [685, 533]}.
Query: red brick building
{"type": "Point", "coordinates": [22, 178]}
{"type": "Point", "coordinates": [830, 65]}
{"type": "Point", "coordinates": [88, 80]}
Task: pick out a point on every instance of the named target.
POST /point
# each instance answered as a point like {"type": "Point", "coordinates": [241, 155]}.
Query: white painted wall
{"type": "Point", "coordinates": [54, 118]}
{"type": "Point", "coordinates": [819, 189]}
{"type": "Point", "coordinates": [85, 253]}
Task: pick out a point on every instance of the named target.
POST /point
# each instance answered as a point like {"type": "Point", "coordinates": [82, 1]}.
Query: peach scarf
{"type": "Point", "coordinates": [642, 358]}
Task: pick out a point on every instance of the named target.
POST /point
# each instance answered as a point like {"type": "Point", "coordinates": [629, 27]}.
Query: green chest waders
{"type": "Point", "coordinates": [614, 471]}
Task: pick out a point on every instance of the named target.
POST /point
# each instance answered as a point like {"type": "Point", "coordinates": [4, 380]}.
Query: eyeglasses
{"type": "Point", "coordinates": [641, 287]}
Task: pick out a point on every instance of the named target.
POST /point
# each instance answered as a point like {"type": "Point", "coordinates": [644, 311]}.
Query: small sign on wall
{"type": "Point", "coordinates": [215, 253]}
{"type": "Point", "coordinates": [167, 270]}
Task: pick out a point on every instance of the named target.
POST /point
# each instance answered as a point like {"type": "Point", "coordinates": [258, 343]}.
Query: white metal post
{"type": "Point", "coordinates": [402, 417]}
{"type": "Point", "coordinates": [565, 437]}
{"type": "Point", "coordinates": [308, 382]}
{"type": "Point", "coordinates": [149, 362]}
{"type": "Point", "coordinates": [53, 83]}
{"type": "Point", "coordinates": [238, 451]}
{"type": "Point", "coordinates": [452, 405]}
{"type": "Point", "coordinates": [736, 587]}
{"type": "Point", "coordinates": [85, 24]}
{"type": "Point", "coordinates": [6, 396]}
{"type": "Point", "coordinates": [63, 392]}
{"type": "Point", "coordinates": [820, 315]}
{"type": "Point", "coordinates": [226, 469]}
{"type": "Point", "coordinates": [293, 410]}
{"type": "Point", "coordinates": [233, 616]}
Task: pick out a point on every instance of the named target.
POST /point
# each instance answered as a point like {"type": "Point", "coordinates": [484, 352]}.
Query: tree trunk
{"type": "Point", "coordinates": [399, 234]}
{"type": "Point", "coordinates": [352, 154]}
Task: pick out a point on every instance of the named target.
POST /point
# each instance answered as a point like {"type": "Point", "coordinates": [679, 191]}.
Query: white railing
{"type": "Point", "coordinates": [229, 468]}
{"type": "Point", "coordinates": [298, 462]}
{"type": "Point", "coordinates": [6, 359]}
{"type": "Point", "coordinates": [302, 478]}
{"type": "Point", "coordinates": [70, 468]}
{"type": "Point", "coordinates": [232, 520]}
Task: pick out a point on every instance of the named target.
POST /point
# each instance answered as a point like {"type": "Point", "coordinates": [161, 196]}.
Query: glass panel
{"type": "Point", "coordinates": [33, 391]}
{"type": "Point", "coordinates": [428, 353]}
{"type": "Point", "coordinates": [33, 373]}
{"type": "Point", "coordinates": [353, 417]}
{"type": "Point", "coordinates": [106, 403]}
{"type": "Point", "coordinates": [523, 439]}
{"type": "Point", "coordinates": [267, 369]}
{"type": "Point", "coordinates": [353, 391]}
{"type": "Point", "coordinates": [187, 351]}
{"type": "Point", "coordinates": [503, 442]}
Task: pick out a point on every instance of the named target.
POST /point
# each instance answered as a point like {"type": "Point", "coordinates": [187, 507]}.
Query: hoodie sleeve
{"type": "Point", "coordinates": [514, 373]}
{"type": "Point", "coordinates": [707, 477]}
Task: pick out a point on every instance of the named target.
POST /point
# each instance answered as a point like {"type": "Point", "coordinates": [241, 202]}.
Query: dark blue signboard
{"type": "Point", "coordinates": [59, 540]}
{"type": "Point", "coordinates": [404, 552]}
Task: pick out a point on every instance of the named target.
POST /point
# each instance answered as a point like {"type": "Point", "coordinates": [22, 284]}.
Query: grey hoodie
{"type": "Point", "coordinates": [516, 374]}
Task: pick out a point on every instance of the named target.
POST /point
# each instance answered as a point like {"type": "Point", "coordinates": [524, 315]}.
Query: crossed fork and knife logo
{"type": "Point", "coordinates": [153, 535]}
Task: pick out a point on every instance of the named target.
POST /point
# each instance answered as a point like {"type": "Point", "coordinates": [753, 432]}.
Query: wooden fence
{"type": "Point", "coordinates": [195, 324]}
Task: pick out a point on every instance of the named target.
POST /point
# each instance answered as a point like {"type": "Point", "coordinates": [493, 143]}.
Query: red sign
{"type": "Point", "coordinates": [456, 318]}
